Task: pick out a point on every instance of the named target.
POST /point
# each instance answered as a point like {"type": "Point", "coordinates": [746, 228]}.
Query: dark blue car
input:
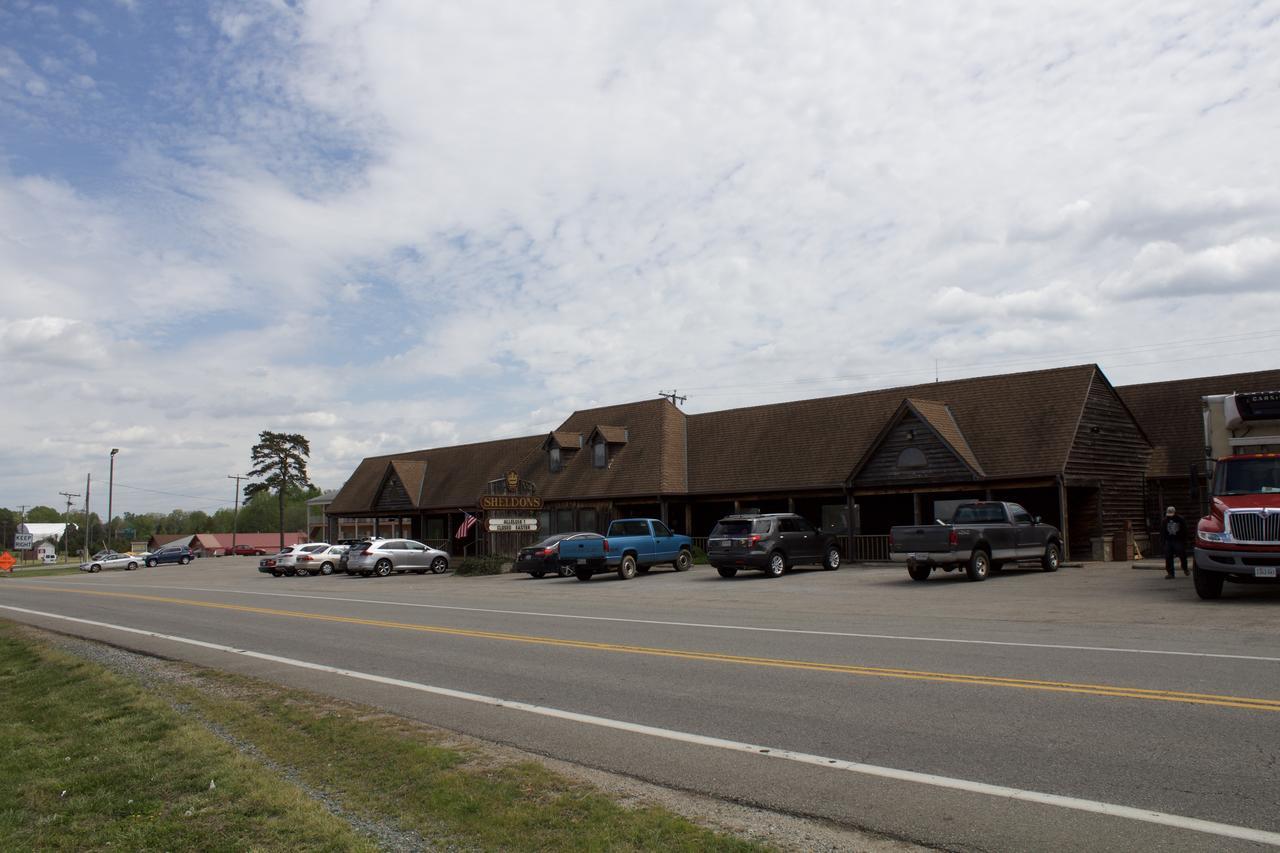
{"type": "Point", "coordinates": [179, 554]}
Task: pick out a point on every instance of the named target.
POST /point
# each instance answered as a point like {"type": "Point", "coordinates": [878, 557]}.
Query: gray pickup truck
{"type": "Point", "coordinates": [982, 537]}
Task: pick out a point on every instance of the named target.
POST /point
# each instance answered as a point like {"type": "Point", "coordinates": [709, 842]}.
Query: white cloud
{"type": "Point", "coordinates": [400, 224]}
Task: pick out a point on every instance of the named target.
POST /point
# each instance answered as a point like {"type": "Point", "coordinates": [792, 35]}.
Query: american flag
{"type": "Point", "coordinates": [468, 522]}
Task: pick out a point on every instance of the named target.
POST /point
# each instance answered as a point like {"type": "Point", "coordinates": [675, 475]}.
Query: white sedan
{"type": "Point", "coordinates": [128, 562]}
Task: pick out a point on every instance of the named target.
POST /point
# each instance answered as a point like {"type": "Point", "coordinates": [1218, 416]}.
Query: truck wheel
{"type": "Point", "coordinates": [919, 571]}
{"type": "Point", "coordinates": [979, 566]}
{"type": "Point", "coordinates": [1208, 584]}
{"type": "Point", "coordinates": [583, 574]}
{"type": "Point", "coordinates": [1052, 558]}
{"type": "Point", "coordinates": [627, 568]}
{"type": "Point", "coordinates": [684, 561]}
{"type": "Point", "coordinates": [832, 561]}
{"type": "Point", "coordinates": [777, 565]}
{"type": "Point", "coordinates": [727, 571]}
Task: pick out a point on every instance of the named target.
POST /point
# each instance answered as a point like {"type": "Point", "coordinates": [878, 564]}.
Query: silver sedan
{"type": "Point", "coordinates": [128, 562]}
{"type": "Point", "coordinates": [384, 556]}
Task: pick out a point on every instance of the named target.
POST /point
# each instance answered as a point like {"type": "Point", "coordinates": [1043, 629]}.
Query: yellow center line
{"type": "Point", "coordinates": [717, 657]}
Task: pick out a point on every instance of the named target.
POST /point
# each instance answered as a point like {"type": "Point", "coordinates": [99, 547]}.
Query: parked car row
{"type": "Point", "coordinates": [369, 557]}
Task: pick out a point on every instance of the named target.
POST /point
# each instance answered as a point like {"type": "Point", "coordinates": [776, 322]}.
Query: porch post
{"type": "Point", "coordinates": [1062, 515]}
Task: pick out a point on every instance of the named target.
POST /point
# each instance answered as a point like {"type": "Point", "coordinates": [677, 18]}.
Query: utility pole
{"type": "Point", "coordinates": [88, 478]}
{"type": "Point", "coordinates": [65, 517]}
{"type": "Point", "coordinates": [235, 516]}
{"type": "Point", "coordinates": [676, 399]}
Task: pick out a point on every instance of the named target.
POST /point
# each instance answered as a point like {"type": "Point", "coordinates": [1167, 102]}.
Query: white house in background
{"type": "Point", "coordinates": [44, 538]}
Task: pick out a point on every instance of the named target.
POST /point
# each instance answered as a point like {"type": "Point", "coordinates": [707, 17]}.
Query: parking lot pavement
{"type": "Point", "coordinates": [1083, 683]}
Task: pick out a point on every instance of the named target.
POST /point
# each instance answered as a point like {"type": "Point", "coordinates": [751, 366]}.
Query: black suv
{"type": "Point", "coordinates": [771, 543]}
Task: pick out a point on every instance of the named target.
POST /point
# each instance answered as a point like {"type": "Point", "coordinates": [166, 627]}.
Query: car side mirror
{"type": "Point", "coordinates": [1037, 521]}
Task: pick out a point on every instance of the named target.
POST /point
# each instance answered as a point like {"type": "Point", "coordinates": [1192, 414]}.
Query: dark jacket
{"type": "Point", "coordinates": [1173, 529]}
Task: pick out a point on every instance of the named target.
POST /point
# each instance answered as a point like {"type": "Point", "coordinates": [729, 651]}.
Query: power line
{"type": "Point", "coordinates": [217, 501]}
{"type": "Point", "coordinates": [838, 380]}
{"type": "Point", "coordinates": [1178, 344]}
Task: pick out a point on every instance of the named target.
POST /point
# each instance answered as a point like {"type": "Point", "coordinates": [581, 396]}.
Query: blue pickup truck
{"type": "Point", "coordinates": [631, 546]}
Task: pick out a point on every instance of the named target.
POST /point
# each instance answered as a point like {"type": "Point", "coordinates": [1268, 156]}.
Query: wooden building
{"type": "Point", "coordinates": [1062, 442]}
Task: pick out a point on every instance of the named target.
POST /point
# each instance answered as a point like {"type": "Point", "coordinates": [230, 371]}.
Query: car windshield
{"type": "Point", "coordinates": [1257, 476]}
{"type": "Point", "coordinates": [629, 528]}
{"type": "Point", "coordinates": [979, 514]}
{"type": "Point", "coordinates": [741, 527]}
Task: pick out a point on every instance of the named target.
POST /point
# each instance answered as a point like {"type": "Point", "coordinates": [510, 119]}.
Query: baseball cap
{"type": "Point", "coordinates": [1170, 511]}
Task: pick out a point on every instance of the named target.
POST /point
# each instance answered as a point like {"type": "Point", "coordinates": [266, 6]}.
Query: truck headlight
{"type": "Point", "coordinates": [1206, 536]}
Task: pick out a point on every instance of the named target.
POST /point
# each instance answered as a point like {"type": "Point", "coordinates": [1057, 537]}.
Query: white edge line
{"type": "Point", "coordinates": [797, 631]}
{"type": "Point", "coordinates": [1109, 809]}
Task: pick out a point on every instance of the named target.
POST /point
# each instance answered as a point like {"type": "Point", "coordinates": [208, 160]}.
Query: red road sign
{"type": "Point", "coordinates": [6, 562]}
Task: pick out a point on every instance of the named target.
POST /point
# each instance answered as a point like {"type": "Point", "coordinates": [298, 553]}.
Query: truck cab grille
{"type": "Point", "coordinates": [1254, 526]}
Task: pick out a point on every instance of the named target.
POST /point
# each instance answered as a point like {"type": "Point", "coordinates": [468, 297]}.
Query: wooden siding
{"type": "Point", "coordinates": [1110, 452]}
{"type": "Point", "coordinates": [943, 466]}
{"type": "Point", "coordinates": [393, 497]}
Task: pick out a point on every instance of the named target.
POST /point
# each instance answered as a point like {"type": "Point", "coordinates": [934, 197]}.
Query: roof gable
{"type": "Point", "coordinates": [1017, 425]}
{"type": "Point", "coordinates": [920, 442]}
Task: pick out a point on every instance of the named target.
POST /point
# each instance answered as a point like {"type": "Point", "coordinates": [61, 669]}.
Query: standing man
{"type": "Point", "coordinates": [1174, 535]}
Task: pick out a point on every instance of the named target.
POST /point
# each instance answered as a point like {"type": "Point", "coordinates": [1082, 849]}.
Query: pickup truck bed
{"type": "Point", "coordinates": [983, 536]}
{"type": "Point", "coordinates": [632, 546]}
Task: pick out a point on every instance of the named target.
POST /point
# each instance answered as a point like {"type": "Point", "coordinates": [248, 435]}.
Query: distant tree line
{"type": "Point", "coordinates": [259, 514]}
{"type": "Point", "coordinates": [275, 503]}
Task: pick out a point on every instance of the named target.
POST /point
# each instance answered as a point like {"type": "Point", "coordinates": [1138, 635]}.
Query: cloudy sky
{"type": "Point", "coordinates": [393, 225]}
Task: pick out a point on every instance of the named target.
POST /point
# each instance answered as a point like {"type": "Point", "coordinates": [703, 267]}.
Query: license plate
{"type": "Point", "coordinates": [914, 556]}
{"type": "Point", "coordinates": [581, 561]}
{"type": "Point", "coordinates": [1264, 571]}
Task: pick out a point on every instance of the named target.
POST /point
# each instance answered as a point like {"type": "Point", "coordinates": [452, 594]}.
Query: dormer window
{"type": "Point", "coordinates": [555, 458]}
{"type": "Point", "coordinates": [600, 454]}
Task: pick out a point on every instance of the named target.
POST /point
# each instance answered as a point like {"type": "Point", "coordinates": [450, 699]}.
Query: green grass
{"type": "Point", "coordinates": [89, 762]}
{"type": "Point", "coordinates": [136, 773]}
{"type": "Point", "coordinates": [386, 765]}
{"type": "Point", "coordinates": [41, 571]}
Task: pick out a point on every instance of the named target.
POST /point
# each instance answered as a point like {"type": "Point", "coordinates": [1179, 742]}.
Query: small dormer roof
{"type": "Point", "coordinates": [565, 440]}
{"type": "Point", "coordinates": [609, 434]}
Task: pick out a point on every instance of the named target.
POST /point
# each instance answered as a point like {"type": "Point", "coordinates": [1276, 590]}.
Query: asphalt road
{"type": "Point", "coordinates": [1095, 708]}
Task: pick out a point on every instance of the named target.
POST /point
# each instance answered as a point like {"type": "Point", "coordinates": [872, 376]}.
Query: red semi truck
{"type": "Point", "coordinates": [1239, 540]}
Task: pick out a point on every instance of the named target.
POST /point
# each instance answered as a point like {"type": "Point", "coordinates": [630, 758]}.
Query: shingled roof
{"type": "Point", "coordinates": [1170, 414]}
{"type": "Point", "coordinates": [451, 476]}
{"type": "Point", "coordinates": [1015, 425]}
{"type": "Point", "coordinates": [646, 454]}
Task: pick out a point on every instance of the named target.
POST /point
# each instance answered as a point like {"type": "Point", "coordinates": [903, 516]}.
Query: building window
{"type": "Point", "coordinates": [544, 523]}
{"type": "Point", "coordinates": [556, 462]}
{"type": "Point", "coordinates": [600, 454]}
{"type": "Point", "coordinates": [912, 457]}
{"type": "Point", "coordinates": [588, 520]}
{"type": "Point", "coordinates": [564, 521]}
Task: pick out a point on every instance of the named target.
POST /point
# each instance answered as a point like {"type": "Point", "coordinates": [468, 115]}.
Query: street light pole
{"type": "Point", "coordinates": [88, 480]}
{"type": "Point", "coordinates": [111, 485]}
